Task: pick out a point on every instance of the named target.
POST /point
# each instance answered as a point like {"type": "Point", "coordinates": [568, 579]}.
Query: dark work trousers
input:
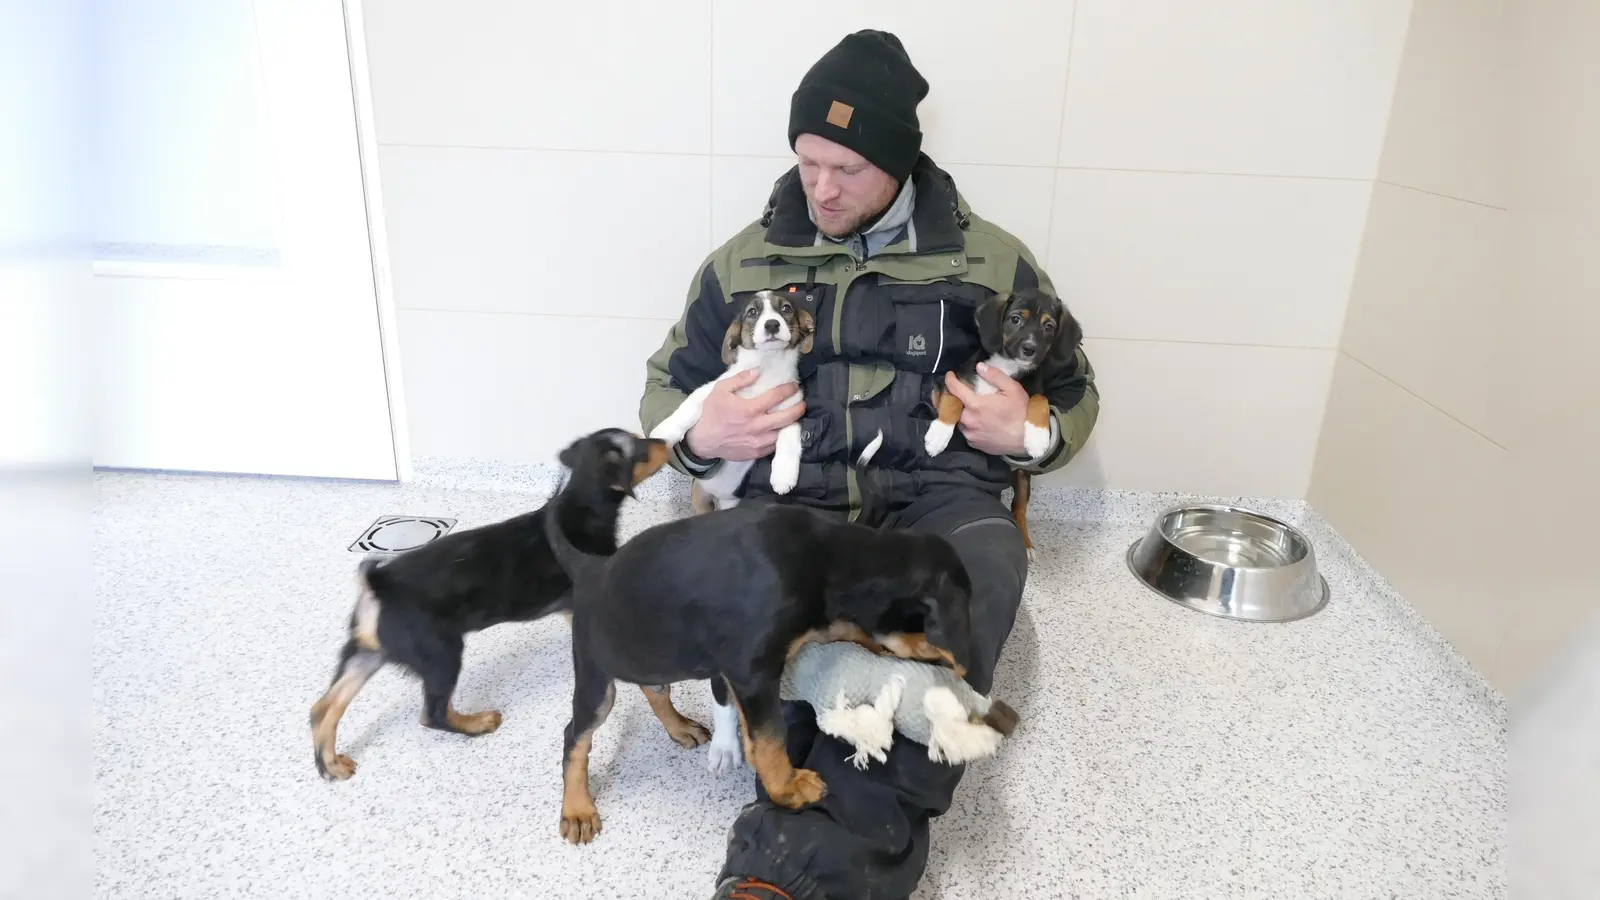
{"type": "Point", "coordinates": [868, 838]}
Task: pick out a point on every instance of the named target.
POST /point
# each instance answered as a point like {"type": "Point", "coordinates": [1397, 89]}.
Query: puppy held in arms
{"type": "Point", "coordinates": [770, 334]}
{"type": "Point", "coordinates": [1023, 335]}
{"type": "Point", "coordinates": [1028, 335]}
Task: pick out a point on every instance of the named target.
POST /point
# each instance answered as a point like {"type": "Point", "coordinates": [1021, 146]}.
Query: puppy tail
{"type": "Point", "coordinates": [873, 504]}
{"type": "Point", "coordinates": [366, 569]}
{"type": "Point", "coordinates": [870, 451]}
{"type": "Point", "coordinates": [954, 737]}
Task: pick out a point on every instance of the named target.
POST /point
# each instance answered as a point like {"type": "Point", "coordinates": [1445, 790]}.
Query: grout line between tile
{"type": "Point", "coordinates": [1407, 187]}
{"type": "Point", "coordinates": [1273, 175]}
{"type": "Point", "coordinates": [1061, 130]}
{"type": "Point", "coordinates": [1139, 340]}
{"type": "Point", "coordinates": [407, 145]}
{"type": "Point", "coordinates": [546, 315]}
{"type": "Point", "coordinates": [606, 151]}
{"type": "Point", "coordinates": [1421, 399]}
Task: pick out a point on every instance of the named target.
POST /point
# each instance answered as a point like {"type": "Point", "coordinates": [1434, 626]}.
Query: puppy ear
{"type": "Point", "coordinates": [731, 339]}
{"type": "Point", "coordinates": [990, 317]}
{"type": "Point", "coordinates": [569, 456]}
{"type": "Point", "coordinates": [1069, 334]}
{"type": "Point", "coordinates": [807, 326]}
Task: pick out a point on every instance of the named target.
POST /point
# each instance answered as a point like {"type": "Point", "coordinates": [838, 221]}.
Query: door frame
{"type": "Point", "coordinates": [378, 235]}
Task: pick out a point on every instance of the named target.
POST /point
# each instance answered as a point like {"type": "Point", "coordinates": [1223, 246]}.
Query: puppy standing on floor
{"type": "Point", "coordinates": [669, 606]}
{"type": "Point", "coordinates": [770, 334]}
{"type": "Point", "coordinates": [1024, 335]}
{"type": "Point", "coordinates": [416, 608]}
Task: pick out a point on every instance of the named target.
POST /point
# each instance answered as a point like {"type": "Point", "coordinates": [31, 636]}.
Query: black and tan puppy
{"type": "Point", "coordinates": [730, 596]}
{"type": "Point", "coordinates": [1025, 335]}
{"type": "Point", "coordinates": [416, 608]}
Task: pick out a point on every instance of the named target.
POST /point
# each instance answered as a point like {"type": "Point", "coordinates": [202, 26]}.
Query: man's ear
{"type": "Point", "coordinates": [808, 330]}
{"type": "Point", "coordinates": [1068, 336]}
{"type": "Point", "coordinates": [991, 315]}
{"type": "Point", "coordinates": [730, 340]}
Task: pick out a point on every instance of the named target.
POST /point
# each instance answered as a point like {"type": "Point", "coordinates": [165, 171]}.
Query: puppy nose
{"type": "Point", "coordinates": [772, 326]}
{"type": "Point", "coordinates": [1028, 349]}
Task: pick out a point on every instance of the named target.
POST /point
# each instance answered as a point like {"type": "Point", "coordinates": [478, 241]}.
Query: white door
{"type": "Point", "coordinates": [234, 301]}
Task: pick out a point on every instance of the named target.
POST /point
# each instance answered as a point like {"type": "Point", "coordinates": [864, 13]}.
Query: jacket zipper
{"type": "Point", "coordinates": [852, 488]}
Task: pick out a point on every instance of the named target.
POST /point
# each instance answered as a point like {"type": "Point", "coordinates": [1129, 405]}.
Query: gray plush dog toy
{"type": "Point", "coordinates": [862, 698]}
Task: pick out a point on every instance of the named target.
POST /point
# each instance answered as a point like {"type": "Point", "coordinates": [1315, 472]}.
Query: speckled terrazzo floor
{"type": "Point", "coordinates": [1164, 753]}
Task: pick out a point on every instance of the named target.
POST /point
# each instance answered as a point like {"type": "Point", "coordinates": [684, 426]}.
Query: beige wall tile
{"type": "Point", "coordinates": [602, 75]}
{"type": "Point", "coordinates": [1206, 418]}
{"type": "Point", "coordinates": [614, 234]}
{"type": "Point", "coordinates": [740, 186]}
{"type": "Point", "coordinates": [1555, 281]}
{"type": "Point", "coordinates": [1267, 87]}
{"type": "Point", "coordinates": [519, 387]}
{"type": "Point", "coordinates": [1017, 199]}
{"type": "Point", "coordinates": [1447, 128]}
{"type": "Point", "coordinates": [1422, 498]}
{"type": "Point", "coordinates": [1428, 308]}
{"type": "Point", "coordinates": [1216, 258]}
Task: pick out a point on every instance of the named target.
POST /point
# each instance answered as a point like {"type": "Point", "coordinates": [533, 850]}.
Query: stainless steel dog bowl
{"type": "Point", "coordinates": [1230, 562]}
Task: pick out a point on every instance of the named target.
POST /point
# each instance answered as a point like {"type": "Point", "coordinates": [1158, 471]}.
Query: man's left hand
{"type": "Point", "coordinates": [992, 422]}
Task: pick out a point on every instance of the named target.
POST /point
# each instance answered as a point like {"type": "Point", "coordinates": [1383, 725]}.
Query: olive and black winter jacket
{"type": "Point", "coordinates": [894, 311]}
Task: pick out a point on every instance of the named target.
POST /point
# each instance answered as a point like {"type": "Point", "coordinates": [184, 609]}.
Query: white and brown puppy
{"type": "Point", "coordinates": [769, 334]}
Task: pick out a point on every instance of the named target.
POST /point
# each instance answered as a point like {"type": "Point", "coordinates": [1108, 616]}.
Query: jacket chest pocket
{"type": "Point", "coordinates": [929, 328]}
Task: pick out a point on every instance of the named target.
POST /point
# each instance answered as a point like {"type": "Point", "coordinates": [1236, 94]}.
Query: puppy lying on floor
{"type": "Point", "coordinates": [1025, 335]}
{"type": "Point", "coordinates": [416, 608]}
{"type": "Point", "coordinates": [769, 334]}
{"type": "Point", "coordinates": [730, 596]}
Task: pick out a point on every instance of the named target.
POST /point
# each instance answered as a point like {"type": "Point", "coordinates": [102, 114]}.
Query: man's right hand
{"type": "Point", "coordinates": [732, 427]}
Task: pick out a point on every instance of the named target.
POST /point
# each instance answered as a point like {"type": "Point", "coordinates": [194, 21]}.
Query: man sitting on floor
{"type": "Point", "coordinates": [873, 238]}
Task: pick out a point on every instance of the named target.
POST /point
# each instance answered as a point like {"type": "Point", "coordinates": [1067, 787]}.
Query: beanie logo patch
{"type": "Point", "coordinates": [839, 114]}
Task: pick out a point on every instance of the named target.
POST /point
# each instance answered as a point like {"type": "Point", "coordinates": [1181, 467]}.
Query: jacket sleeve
{"type": "Point", "coordinates": [1074, 397]}
{"type": "Point", "coordinates": [690, 356]}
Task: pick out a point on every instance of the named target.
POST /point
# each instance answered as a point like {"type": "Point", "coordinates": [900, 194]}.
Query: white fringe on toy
{"type": "Point", "coordinates": [955, 738]}
{"type": "Point", "coordinates": [870, 729]}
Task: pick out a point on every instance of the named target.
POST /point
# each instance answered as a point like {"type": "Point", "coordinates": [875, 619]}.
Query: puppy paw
{"type": "Point", "coordinates": [938, 438]}
{"type": "Point", "coordinates": [805, 787]}
{"type": "Point", "coordinates": [478, 723]}
{"type": "Point", "coordinates": [1035, 440]}
{"type": "Point", "coordinates": [1030, 553]}
{"type": "Point", "coordinates": [784, 478]}
{"type": "Point", "coordinates": [689, 734]}
{"type": "Point", "coordinates": [667, 432]}
{"type": "Point", "coordinates": [339, 768]}
{"type": "Point", "coordinates": [580, 824]}
{"type": "Point", "coordinates": [470, 724]}
{"type": "Point", "coordinates": [725, 755]}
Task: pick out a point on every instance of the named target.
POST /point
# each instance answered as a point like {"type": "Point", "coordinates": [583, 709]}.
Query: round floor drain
{"type": "Point", "coordinates": [397, 534]}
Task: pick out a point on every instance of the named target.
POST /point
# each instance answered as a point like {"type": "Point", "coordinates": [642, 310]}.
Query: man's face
{"type": "Point", "coordinates": [842, 188]}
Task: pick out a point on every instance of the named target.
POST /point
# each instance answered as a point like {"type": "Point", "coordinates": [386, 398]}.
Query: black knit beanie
{"type": "Point", "coordinates": [864, 94]}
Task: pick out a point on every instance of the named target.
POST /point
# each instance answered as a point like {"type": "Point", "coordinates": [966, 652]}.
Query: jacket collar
{"type": "Point", "coordinates": [936, 215]}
